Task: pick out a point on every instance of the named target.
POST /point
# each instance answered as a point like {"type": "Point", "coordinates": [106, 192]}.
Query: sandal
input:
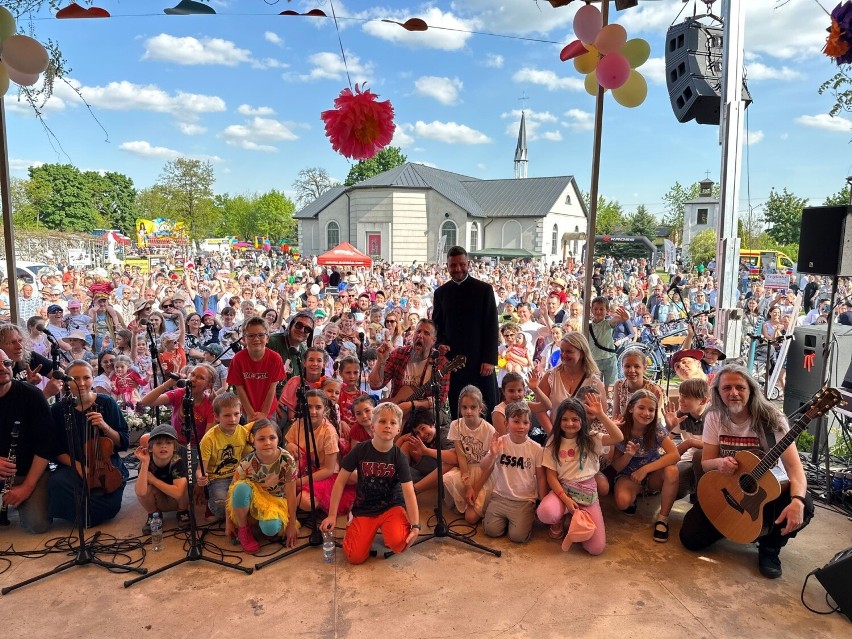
{"type": "Point", "coordinates": [631, 509]}
{"type": "Point", "coordinates": [555, 531]}
{"type": "Point", "coordinates": [183, 517]}
{"type": "Point", "coordinates": [661, 531]}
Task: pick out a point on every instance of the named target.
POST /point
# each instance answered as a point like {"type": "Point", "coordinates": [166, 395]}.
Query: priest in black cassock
{"type": "Point", "coordinates": [465, 313]}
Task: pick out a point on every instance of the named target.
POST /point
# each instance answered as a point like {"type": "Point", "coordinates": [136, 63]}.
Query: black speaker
{"type": "Point", "coordinates": [694, 71]}
{"type": "Point", "coordinates": [836, 578]}
{"type": "Point", "coordinates": [805, 361]}
{"type": "Point", "coordinates": [825, 241]}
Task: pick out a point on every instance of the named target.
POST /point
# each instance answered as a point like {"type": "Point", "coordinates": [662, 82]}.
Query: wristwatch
{"type": "Point", "coordinates": [416, 526]}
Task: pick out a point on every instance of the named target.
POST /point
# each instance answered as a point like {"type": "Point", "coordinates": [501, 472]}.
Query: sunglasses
{"type": "Point", "coordinates": [166, 307]}
{"type": "Point", "coordinates": [8, 363]}
{"type": "Point", "coordinates": [303, 327]}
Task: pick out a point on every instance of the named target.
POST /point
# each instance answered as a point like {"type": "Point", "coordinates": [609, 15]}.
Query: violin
{"type": "Point", "coordinates": [101, 474]}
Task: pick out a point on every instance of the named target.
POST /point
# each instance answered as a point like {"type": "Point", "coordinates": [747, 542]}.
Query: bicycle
{"type": "Point", "coordinates": [656, 354]}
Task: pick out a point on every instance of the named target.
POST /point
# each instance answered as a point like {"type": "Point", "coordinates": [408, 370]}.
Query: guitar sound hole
{"type": "Point", "coordinates": [748, 484]}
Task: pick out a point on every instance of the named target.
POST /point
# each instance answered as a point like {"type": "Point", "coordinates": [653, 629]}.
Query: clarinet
{"type": "Point", "coordinates": [4, 510]}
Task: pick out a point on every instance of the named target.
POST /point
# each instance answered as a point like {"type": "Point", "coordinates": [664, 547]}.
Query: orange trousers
{"type": "Point", "coordinates": [362, 531]}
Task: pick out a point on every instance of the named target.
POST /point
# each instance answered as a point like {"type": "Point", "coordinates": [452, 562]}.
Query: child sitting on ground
{"type": "Point", "coordinates": [362, 430]}
{"type": "Point", "coordinates": [383, 487]}
{"type": "Point", "coordinates": [161, 484]}
{"type": "Point", "coordinates": [263, 491]}
{"type": "Point", "coordinates": [222, 448]}
{"type": "Point", "coordinates": [420, 446]}
{"type": "Point", "coordinates": [515, 461]}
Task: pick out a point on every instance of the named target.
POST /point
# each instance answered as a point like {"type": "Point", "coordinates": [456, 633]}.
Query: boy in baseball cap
{"type": "Point", "coordinates": [161, 484]}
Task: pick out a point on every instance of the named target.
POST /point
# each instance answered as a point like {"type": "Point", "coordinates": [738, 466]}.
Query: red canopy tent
{"type": "Point", "coordinates": [344, 254]}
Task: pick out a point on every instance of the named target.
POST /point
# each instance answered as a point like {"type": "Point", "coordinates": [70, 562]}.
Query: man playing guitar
{"type": "Point", "coordinates": [741, 419]}
{"type": "Point", "coordinates": [408, 367]}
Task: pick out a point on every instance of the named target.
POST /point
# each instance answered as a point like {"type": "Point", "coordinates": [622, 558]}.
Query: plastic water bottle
{"type": "Point", "coordinates": [328, 546]}
{"type": "Point", "coordinates": [156, 532]}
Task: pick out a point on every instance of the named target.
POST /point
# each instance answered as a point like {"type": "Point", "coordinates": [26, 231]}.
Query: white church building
{"type": "Point", "coordinates": [416, 212]}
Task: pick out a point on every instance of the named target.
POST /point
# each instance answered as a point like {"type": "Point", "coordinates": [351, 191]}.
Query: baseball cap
{"type": "Point", "coordinates": [74, 303]}
{"type": "Point", "coordinates": [319, 313]}
{"type": "Point", "coordinates": [694, 353]}
{"type": "Point", "coordinates": [163, 430]}
{"type": "Point", "coordinates": [53, 308]}
{"type": "Point", "coordinates": [140, 305]}
{"type": "Point", "coordinates": [214, 349]}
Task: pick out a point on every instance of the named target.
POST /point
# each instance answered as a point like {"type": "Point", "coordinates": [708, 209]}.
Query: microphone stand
{"type": "Point", "coordinates": [315, 538]}
{"type": "Point", "coordinates": [231, 347]}
{"type": "Point", "coordinates": [156, 363]}
{"type": "Point", "coordinates": [360, 360]}
{"type": "Point", "coordinates": [84, 553]}
{"type": "Point", "coordinates": [696, 340]}
{"type": "Point", "coordinates": [196, 542]}
{"type": "Point", "coordinates": [441, 528]}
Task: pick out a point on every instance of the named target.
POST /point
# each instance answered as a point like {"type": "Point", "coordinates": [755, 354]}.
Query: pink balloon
{"type": "Point", "coordinates": [24, 79]}
{"type": "Point", "coordinates": [587, 22]}
{"type": "Point", "coordinates": [613, 71]}
{"type": "Point", "coordinates": [611, 38]}
{"type": "Point", "coordinates": [572, 50]}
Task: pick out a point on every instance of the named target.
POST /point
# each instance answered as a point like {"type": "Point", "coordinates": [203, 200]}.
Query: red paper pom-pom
{"type": "Point", "coordinates": [359, 126]}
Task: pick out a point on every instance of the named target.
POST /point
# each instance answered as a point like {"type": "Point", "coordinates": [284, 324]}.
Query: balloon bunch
{"type": "Point", "coordinates": [22, 59]}
{"type": "Point", "coordinates": [608, 58]}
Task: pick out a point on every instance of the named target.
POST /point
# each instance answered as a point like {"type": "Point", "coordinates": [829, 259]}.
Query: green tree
{"type": "Point", "coordinates": [61, 198]}
{"type": "Point", "coordinates": [188, 187]}
{"type": "Point", "coordinates": [312, 182]}
{"type": "Point", "coordinates": [386, 159]}
{"type": "Point", "coordinates": [642, 222]}
{"type": "Point", "coordinates": [268, 215]}
{"type": "Point", "coordinates": [783, 215]}
{"type": "Point", "coordinates": [702, 249]}
{"type": "Point", "coordinates": [24, 214]}
{"type": "Point", "coordinates": [840, 87]}
{"type": "Point", "coordinates": [114, 196]}
{"type": "Point", "coordinates": [840, 198]}
{"type": "Point", "coordinates": [151, 203]}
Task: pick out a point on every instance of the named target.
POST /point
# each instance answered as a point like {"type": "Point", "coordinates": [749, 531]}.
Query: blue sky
{"type": "Point", "coordinates": [245, 89]}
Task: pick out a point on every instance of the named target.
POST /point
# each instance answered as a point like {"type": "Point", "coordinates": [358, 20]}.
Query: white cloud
{"type": "Point", "coordinates": [547, 79]}
{"type": "Point", "coordinates": [450, 132]}
{"type": "Point", "coordinates": [257, 134]}
{"type": "Point", "coordinates": [579, 120]}
{"type": "Point", "coordinates": [268, 63]}
{"type": "Point", "coordinates": [760, 71]}
{"type": "Point", "coordinates": [127, 96]}
{"type": "Point", "coordinates": [263, 111]}
{"type": "Point", "coordinates": [329, 66]}
{"type": "Point", "coordinates": [754, 137]}
{"type": "Point", "coordinates": [534, 122]}
{"type": "Point", "coordinates": [519, 17]}
{"type": "Point", "coordinates": [444, 90]}
{"type": "Point", "coordinates": [146, 150]}
{"type": "Point", "coordinates": [432, 38]}
{"type": "Point", "coordinates": [401, 137]}
{"type": "Point", "coordinates": [654, 70]}
{"type": "Point", "coordinates": [274, 38]}
{"type": "Point", "coordinates": [18, 165]}
{"type": "Point", "coordinates": [192, 51]}
{"type": "Point", "coordinates": [825, 121]}
{"type": "Point", "coordinates": [494, 60]}
{"type": "Point", "coordinates": [187, 128]}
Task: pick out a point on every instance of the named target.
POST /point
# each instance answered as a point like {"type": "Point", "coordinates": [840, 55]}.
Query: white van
{"type": "Point", "coordinates": [28, 272]}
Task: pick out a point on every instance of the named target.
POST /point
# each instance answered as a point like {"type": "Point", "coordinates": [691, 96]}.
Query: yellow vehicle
{"type": "Point", "coordinates": [766, 261]}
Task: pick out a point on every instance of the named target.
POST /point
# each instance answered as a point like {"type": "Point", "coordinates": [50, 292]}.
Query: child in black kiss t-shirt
{"type": "Point", "coordinates": [383, 487]}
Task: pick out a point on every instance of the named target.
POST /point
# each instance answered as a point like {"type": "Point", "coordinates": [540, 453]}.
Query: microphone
{"type": "Point", "coordinates": [361, 337]}
{"type": "Point", "coordinates": [62, 377]}
{"type": "Point", "coordinates": [674, 284]}
{"type": "Point", "coordinates": [181, 382]}
{"type": "Point", "coordinates": [293, 351]}
{"type": "Point", "coordinates": [49, 335]}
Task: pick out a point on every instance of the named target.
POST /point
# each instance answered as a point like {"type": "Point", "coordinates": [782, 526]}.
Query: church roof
{"type": "Point", "coordinates": [521, 148]}
{"type": "Point", "coordinates": [530, 197]}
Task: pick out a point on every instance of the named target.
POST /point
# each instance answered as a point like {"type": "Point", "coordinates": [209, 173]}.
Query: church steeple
{"type": "Point", "coordinates": [521, 149]}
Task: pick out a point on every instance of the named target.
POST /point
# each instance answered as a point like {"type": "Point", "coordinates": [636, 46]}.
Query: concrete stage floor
{"type": "Point", "coordinates": [441, 588]}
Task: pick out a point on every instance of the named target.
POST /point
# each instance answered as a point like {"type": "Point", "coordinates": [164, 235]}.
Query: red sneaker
{"type": "Point", "coordinates": [247, 540]}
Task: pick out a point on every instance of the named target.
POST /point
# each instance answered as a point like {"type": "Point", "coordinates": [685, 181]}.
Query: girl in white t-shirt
{"type": "Point", "coordinates": [472, 436]}
{"type": "Point", "coordinates": [571, 460]}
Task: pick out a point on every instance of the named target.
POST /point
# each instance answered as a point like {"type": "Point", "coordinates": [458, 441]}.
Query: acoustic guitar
{"type": "Point", "coordinates": [413, 393]}
{"type": "Point", "coordinates": [734, 503]}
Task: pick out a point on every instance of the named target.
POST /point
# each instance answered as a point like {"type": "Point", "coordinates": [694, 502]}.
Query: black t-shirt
{"type": "Point", "coordinates": [26, 403]}
{"type": "Point", "coordinates": [175, 469]}
{"type": "Point", "coordinates": [36, 360]}
{"type": "Point", "coordinates": [380, 478]}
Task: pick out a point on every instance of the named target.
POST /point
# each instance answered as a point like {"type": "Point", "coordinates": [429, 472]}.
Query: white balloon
{"type": "Point", "coordinates": [24, 54]}
{"type": "Point", "coordinates": [24, 79]}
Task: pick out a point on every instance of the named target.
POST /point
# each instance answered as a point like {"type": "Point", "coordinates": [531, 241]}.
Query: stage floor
{"type": "Point", "coordinates": [441, 588]}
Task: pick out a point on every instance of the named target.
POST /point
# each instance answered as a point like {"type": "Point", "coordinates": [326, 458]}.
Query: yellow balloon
{"type": "Point", "coordinates": [587, 62]}
{"type": "Point", "coordinates": [7, 23]}
{"type": "Point", "coordinates": [633, 92]}
{"type": "Point", "coordinates": [4, 80]}
{"type": "Point", "coordinates": [591, 84]}
{"type": "Point", "coordinates": [637, 51]}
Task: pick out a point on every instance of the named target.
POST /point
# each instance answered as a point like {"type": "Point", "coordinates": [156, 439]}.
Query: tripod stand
{"type": "Point", "coordinates": [441, 529]}
{"type": "Point", "coordinates": [196, 544]}
{"type": "Point", "coordinates": [156, 363]}
{"type": "Point", "coordinates": [83, 554]}
{"type": "Point", "coordinates": [312, 460]}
